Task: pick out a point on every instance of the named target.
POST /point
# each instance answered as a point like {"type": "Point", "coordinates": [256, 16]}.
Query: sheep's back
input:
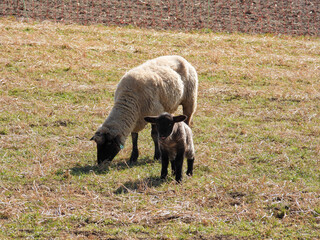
{"type": "Point", "coordinates": [159, 85]}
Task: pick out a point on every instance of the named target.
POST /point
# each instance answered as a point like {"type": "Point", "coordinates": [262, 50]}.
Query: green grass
{"type": "Point", "coordinates": [256, 134]}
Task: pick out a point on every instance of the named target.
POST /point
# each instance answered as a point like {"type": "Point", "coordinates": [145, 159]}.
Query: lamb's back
{"type": "Point", "coordinates": [181, 137]}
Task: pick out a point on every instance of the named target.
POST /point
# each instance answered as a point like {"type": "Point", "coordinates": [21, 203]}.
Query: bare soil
{"type": "Point", "coordinates": [295, 17]}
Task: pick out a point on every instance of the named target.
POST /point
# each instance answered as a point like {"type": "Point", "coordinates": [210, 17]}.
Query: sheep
{"type": "Point", "coordinates": [158, 85]}
{"type": "Point", "coordinates": [175, 140]}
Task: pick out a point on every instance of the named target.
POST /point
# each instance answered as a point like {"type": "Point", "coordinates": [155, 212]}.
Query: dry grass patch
{"type": "Point", "coordinates": [256, 136]}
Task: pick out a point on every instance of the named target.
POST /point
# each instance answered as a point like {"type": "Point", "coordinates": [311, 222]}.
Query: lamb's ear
{"type": "Point", "coordinates": [92, 139]}
{"type": "Point", "coordinates": [179, 118]}
{"type": "Point", "coordinates": [150, 119]}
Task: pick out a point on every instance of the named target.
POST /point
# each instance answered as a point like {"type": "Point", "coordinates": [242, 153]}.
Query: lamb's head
{"type": "Point", "coordinates": [165, 123]}
{"type": "Point", "coordinates": [108, 146]}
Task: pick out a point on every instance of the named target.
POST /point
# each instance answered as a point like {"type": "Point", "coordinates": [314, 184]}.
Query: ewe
{"type": "Point", "coordinates": [158, 85]}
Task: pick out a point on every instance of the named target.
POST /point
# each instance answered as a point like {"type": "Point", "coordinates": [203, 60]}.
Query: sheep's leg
{"type": "Point", "coordinates": [179, 163]}
{"type": "Point", "coordinates": [165, 163]}
{"type": "Point", "coordinates": [154, 135]}
{"type": "Point", "coordinates": [135, 151]}
{"type": "Point", "coordinates": [188, 110]}
{"type": "Point", "coordinates": [190, 166]}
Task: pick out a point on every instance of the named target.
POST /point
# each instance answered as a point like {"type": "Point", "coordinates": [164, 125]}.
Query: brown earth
{"type": "Point", "coordinates": [296, 17]}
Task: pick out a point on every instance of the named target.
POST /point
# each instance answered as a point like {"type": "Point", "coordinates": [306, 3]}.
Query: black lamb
{"type": "Point", "coordinates": [176, 143]}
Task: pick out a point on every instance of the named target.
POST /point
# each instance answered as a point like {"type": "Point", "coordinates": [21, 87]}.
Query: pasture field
{"type": "Point", "coordinates": [256, 133]}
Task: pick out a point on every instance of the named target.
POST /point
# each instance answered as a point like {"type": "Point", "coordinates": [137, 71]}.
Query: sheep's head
{"type": "Point", "coordinates": [107, 146]}
{"type": "Point", "coordinates": [165, 123]}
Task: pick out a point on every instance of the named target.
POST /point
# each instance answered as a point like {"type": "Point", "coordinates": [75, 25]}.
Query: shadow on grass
{"type": "Point", "coordinates": [106, 166]}
{"type": "Point", "coordinates": [81, 170]}
{"type": "Point", "coordinates": [140, 185]}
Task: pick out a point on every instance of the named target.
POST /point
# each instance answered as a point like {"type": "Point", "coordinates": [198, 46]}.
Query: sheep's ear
{"type": "Point", "coordinates": [98, 137]}
{"type": "Point", "coordinates": [117, 139]}
{"type": "Point", "coordinates": [108, 136]}
{"type": "Point", "coordinates": [179, 118]}
{"type": "Point", "coordinates": [150, 119]}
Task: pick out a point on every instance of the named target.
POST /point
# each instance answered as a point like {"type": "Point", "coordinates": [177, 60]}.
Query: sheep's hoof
{"type": "Point", "coordinates": [132, 162]}
{"type": "Point", "coordinates": [163, 177]}
{"type": "Point", "coordinates": [178, 178]}
{"type": "Point", "coordinates": [179, 181]}
{"type": "Point", "coordinates": [134, 157]}
{"type": "Point", "coordinates": [103, 165]}
{"type": "Point", "coordinates": [189, 173]}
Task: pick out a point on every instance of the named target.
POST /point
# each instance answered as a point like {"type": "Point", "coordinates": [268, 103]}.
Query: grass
{"type": "Point", "coordinates": [256, 133]}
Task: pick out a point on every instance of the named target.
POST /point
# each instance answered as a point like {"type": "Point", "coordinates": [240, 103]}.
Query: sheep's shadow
{"type": "Point", "coordinates": [83, 170]}
{"type": "Point", "coordinates": [106, 166]}
{"type": "Point", "coordinates": [140, 185]}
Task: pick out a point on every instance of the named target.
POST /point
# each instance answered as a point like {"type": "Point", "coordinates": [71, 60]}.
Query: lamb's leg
{"type": "Point", "coordinates": [190, 166]}
{"type": "Point", "coordinates": [165, 163]}
{"type": "Point", "coordinates": [135, 151]}
{"type": "Point", "coordinates": [179, 163]}
{"type": "Point", "coordinates": [154, 135]}
{"type": "Point", "coordinates": [173, 167]}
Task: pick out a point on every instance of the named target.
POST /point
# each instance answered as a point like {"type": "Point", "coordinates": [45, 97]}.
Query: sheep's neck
{"type": "Point", "coordinates": [123, 117]}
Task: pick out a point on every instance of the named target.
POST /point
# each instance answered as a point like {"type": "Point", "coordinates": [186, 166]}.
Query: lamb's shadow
{"type": "Point", "coordinates": [106, 166]}
{"type": "Point", "coordinates": [140, 185]}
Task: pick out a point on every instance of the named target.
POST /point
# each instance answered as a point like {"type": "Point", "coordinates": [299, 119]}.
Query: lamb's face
{"type": "Point", "coordinates": [164, 126]}
{"type": "Point", "coordinates": [165, 123]}
{"type": "Point", "coordinates": [107, 146]}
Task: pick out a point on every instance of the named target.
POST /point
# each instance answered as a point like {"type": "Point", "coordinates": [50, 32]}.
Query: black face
{"type": "Point", "coordinates": [107, 147]}
{"type": "Point", "coordinates": [165, 123]}
{"type": "Point", "coordinates": [164, 126]}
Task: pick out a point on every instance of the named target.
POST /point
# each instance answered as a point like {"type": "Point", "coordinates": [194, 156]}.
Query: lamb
{"type": "Point", "coordinates": [158, 85]}
{"type": "Point", "coordinates": [175, 139]}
